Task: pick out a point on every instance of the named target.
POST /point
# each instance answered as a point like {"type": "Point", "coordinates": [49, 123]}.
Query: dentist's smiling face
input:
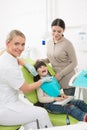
{"type": "Point", "coordinates": [16, 46]}
{"type": "Point", "coordinates": [42, 71]}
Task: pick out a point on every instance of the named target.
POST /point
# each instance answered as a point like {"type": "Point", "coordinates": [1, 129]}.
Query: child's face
{"type": "Point", "coordinates": [42, 71]}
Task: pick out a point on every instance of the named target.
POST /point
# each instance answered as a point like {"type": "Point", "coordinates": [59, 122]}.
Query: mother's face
{"type": "Point", "coordinates": [57, 32]}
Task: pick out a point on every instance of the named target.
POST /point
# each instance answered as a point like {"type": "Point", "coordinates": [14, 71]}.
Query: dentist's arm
{"type": "Point", "coordinates": [28, 66]}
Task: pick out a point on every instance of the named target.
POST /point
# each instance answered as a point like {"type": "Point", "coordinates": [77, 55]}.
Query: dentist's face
{"type": "Point", "coordinates": [16, 46]}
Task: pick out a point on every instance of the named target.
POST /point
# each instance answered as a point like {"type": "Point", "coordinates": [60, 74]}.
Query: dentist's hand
{"type": "Point", "coordinates": [31, 69]}
{"type": "Point", "coordinates": [46, 79]}
{"type": "Point", "coordinates": [28, 66]}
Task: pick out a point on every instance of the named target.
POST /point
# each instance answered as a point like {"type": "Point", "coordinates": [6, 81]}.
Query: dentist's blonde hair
{"type": "Point", "coordinates": [14, 33]}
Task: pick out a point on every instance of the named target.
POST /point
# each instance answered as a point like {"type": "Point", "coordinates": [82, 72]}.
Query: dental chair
{"type": "Point", "coordinates": [9, 127]}
{"type": "Point", "coordinates": [56, 119]}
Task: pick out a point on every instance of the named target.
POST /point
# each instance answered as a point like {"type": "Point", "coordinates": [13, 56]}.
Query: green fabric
{"type": "Point", "coordinates": [50, 69]}
{"type": "Point", "coordinates": [56, 119]}
{"type": "Point", "coordinates": [9, 127]}
{"type": "Point", "coordinates": [31, 96]}
{"type": "Point", "coordinates": [60, 119]}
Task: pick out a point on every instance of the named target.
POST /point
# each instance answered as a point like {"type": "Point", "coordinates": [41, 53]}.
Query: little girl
{"type": "Point", "coordinates": [49, 92]}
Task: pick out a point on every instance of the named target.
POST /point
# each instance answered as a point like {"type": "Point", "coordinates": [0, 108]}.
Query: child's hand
{"type": "Point", "coordinates": [59, 99]}
{"type": "Point", "coordinates": [64, 96]}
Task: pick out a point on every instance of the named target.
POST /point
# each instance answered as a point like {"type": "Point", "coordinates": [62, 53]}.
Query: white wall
{"type": "Point", "coordinates": [34, 17]}
{"type": "Point", "coordinates": [74, 13]}
{"type": "Point", "coordinates": [28, 16]}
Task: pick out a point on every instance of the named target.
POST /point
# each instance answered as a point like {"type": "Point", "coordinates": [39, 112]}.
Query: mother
{"type": "Point", "coordinates": [61, 55]}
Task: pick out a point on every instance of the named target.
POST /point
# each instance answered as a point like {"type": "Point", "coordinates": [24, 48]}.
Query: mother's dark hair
{"type": "Point", "coordinates": [58, 22]}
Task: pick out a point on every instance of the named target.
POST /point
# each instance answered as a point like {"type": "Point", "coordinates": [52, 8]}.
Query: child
{"type": "Point", "coordinates": [76, 108]}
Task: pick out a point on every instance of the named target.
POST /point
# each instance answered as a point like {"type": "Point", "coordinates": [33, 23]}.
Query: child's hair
{"type": "Point", "coordinates": [37, 65]}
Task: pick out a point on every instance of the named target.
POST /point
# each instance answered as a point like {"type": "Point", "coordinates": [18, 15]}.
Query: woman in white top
{"type": "Point", "coordinates": [12, 110]}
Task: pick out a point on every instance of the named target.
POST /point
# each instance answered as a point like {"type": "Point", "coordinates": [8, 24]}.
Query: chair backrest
{"type": "Point", "coordinates": [32, 96]}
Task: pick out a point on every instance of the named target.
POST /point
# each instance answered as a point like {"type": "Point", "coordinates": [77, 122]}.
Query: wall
{"type": "Point", "coordinates": [74, 13]}
{"type": "Point", "coordinates": [34, 19]}
{"type": "Point", "coordinates": [28, 16]}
